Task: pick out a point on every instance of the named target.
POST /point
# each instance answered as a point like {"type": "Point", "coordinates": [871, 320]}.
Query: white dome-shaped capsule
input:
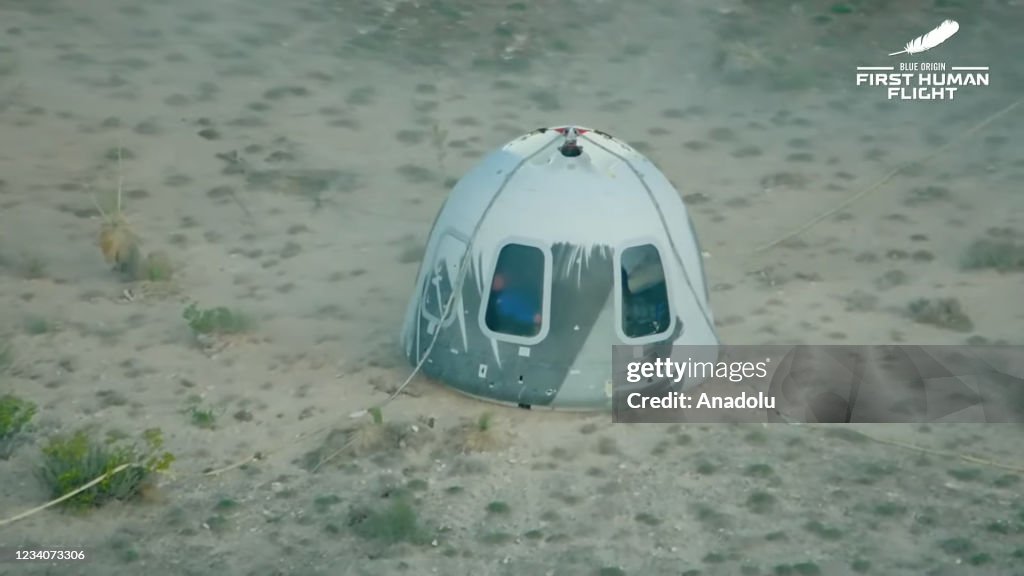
{"type": "Point", "coordinates": [554, 248]}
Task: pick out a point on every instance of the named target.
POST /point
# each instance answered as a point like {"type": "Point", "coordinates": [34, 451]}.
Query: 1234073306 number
{"type": "Point", "coordinates": [43, 554]}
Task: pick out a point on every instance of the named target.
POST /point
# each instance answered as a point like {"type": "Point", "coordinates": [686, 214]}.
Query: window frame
{"type": "Point", "coordinates": [463, 241]}
{"type": "Point", "coordinates": [485, 298]}
{"type": "Point", "coordinates": [669, 292]}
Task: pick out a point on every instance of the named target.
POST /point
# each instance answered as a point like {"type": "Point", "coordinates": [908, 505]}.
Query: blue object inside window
{"type": "Point", "coordinates": [516, 300]}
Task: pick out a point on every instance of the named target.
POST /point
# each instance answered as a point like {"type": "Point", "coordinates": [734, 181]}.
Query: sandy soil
{"type": "Point", "coordinates": [290, 157]}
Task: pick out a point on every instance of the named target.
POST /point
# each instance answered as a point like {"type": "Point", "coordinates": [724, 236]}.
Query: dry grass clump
{"type": "Point", "coordinates": [373, 436]}
{"type": "Point", "coordinates": [479, 435]}
{"type": "Point", "coordinates": [118, 243]}
{"type": "Point", "coordinates": [370, 437]}
{"type": "Point", "coordinates": [122, 247]}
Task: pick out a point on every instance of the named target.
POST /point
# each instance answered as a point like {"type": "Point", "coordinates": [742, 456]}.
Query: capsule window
{"type": "Point", "coordinates": [515, 303]}
{"type": "Point", "coordinates": [645, 309]}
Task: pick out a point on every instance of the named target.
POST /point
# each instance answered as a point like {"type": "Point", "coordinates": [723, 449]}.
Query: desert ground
{"type": "Point", "coordinates": [285, 160]}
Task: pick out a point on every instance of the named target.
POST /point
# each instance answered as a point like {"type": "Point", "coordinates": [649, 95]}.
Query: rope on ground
{"type": "Point", "coordinates": [889, 176]}
{"type": "Point", "coordinates": [256, 457]}
{"type": "Point", "coordinates": [943, 453]}
{"type": "Point", "coordinates": [71, 494]}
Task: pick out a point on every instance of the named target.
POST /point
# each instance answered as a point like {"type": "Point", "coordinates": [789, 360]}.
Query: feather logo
{"type": "Point", "coordinates": [940, 34]}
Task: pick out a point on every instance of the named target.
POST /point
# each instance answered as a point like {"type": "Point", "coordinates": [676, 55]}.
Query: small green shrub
{"type": "Point", "coordinates": [1001, 255]}
{"type": "Point", "coordinates": [37, 325]}
{"type": "Point", "coordinates": [15, 414]}
{"type": "Point", "coordinates": [484, 422]}
{"type": "Point", "coordinates": [204, 419]}
{"type": "Point", "coordinates": [74, 460]}
{"type": "Point", "coordinates": [396, 522]}
{"type": "Point", "coordinates": [220, 320]}
{"type": "Point", "coordinates": [498, 507]}
{"type": "Point", "coordinates": [945, 313]}
{"type": "Point", "coordinates": [378, 415]}
{"type": "Point", "coordinates": [33, 267]}
{"type": "Point", "coordinates": [322, 504]}
{"type": "Point", "coordinates": [157, 267]}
